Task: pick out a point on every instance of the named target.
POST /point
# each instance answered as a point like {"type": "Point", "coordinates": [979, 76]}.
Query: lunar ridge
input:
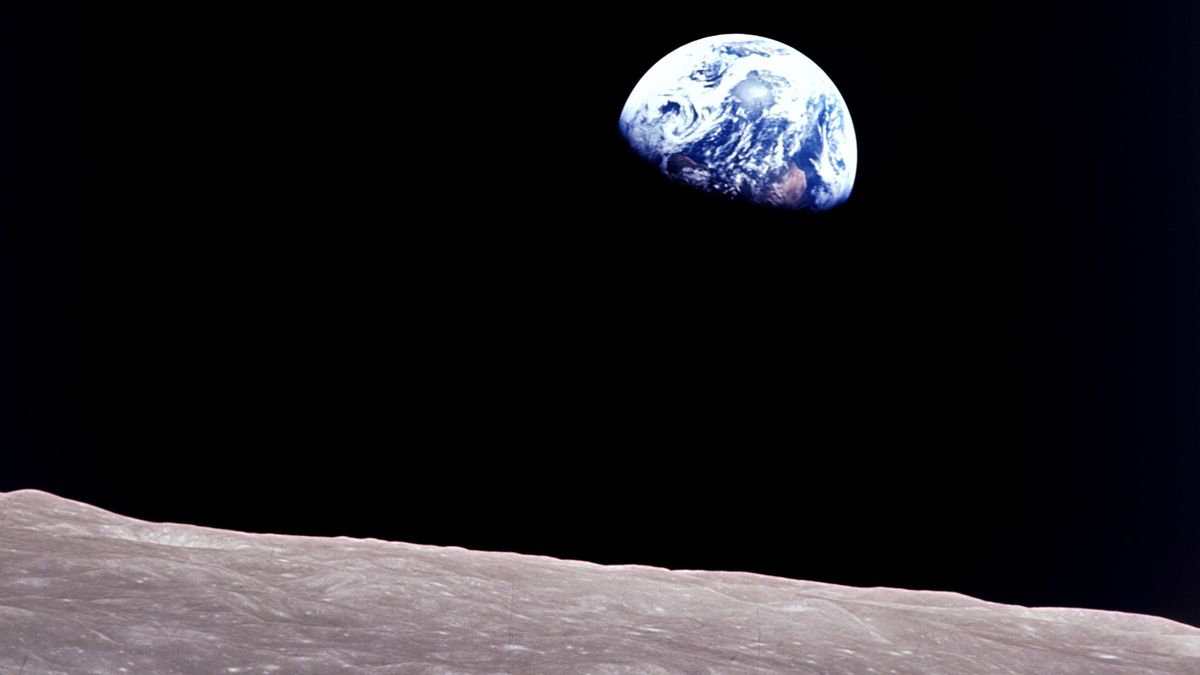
{"type": "Point", "coordinates": [83, 590]}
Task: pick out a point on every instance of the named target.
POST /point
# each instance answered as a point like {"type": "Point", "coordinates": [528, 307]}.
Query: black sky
{"type": "Point", "coordinates": [306, 271]}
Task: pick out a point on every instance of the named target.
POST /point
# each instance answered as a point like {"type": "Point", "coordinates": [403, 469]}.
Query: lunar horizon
{"type": "Point", "coordinates": [88, 591]}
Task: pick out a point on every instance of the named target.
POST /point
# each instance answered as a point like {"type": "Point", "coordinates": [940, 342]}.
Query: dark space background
{"type": "Point", "coordinates": [337, 272]}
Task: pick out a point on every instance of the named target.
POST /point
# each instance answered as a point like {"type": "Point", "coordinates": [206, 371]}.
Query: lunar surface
{"type": "Point", "coordinates": [86, 591]}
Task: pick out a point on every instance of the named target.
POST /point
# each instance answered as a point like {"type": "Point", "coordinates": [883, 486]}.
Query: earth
{"type": "Point", "coordinates": [746, 117]}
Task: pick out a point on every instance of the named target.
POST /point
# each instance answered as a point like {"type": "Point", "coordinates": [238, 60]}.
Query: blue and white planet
{"type": "Point", "coordinates": [746, 117]}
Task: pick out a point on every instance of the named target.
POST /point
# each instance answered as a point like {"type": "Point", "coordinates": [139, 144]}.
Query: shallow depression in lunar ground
{"type": "Point", "coordinates": [86, 591]}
